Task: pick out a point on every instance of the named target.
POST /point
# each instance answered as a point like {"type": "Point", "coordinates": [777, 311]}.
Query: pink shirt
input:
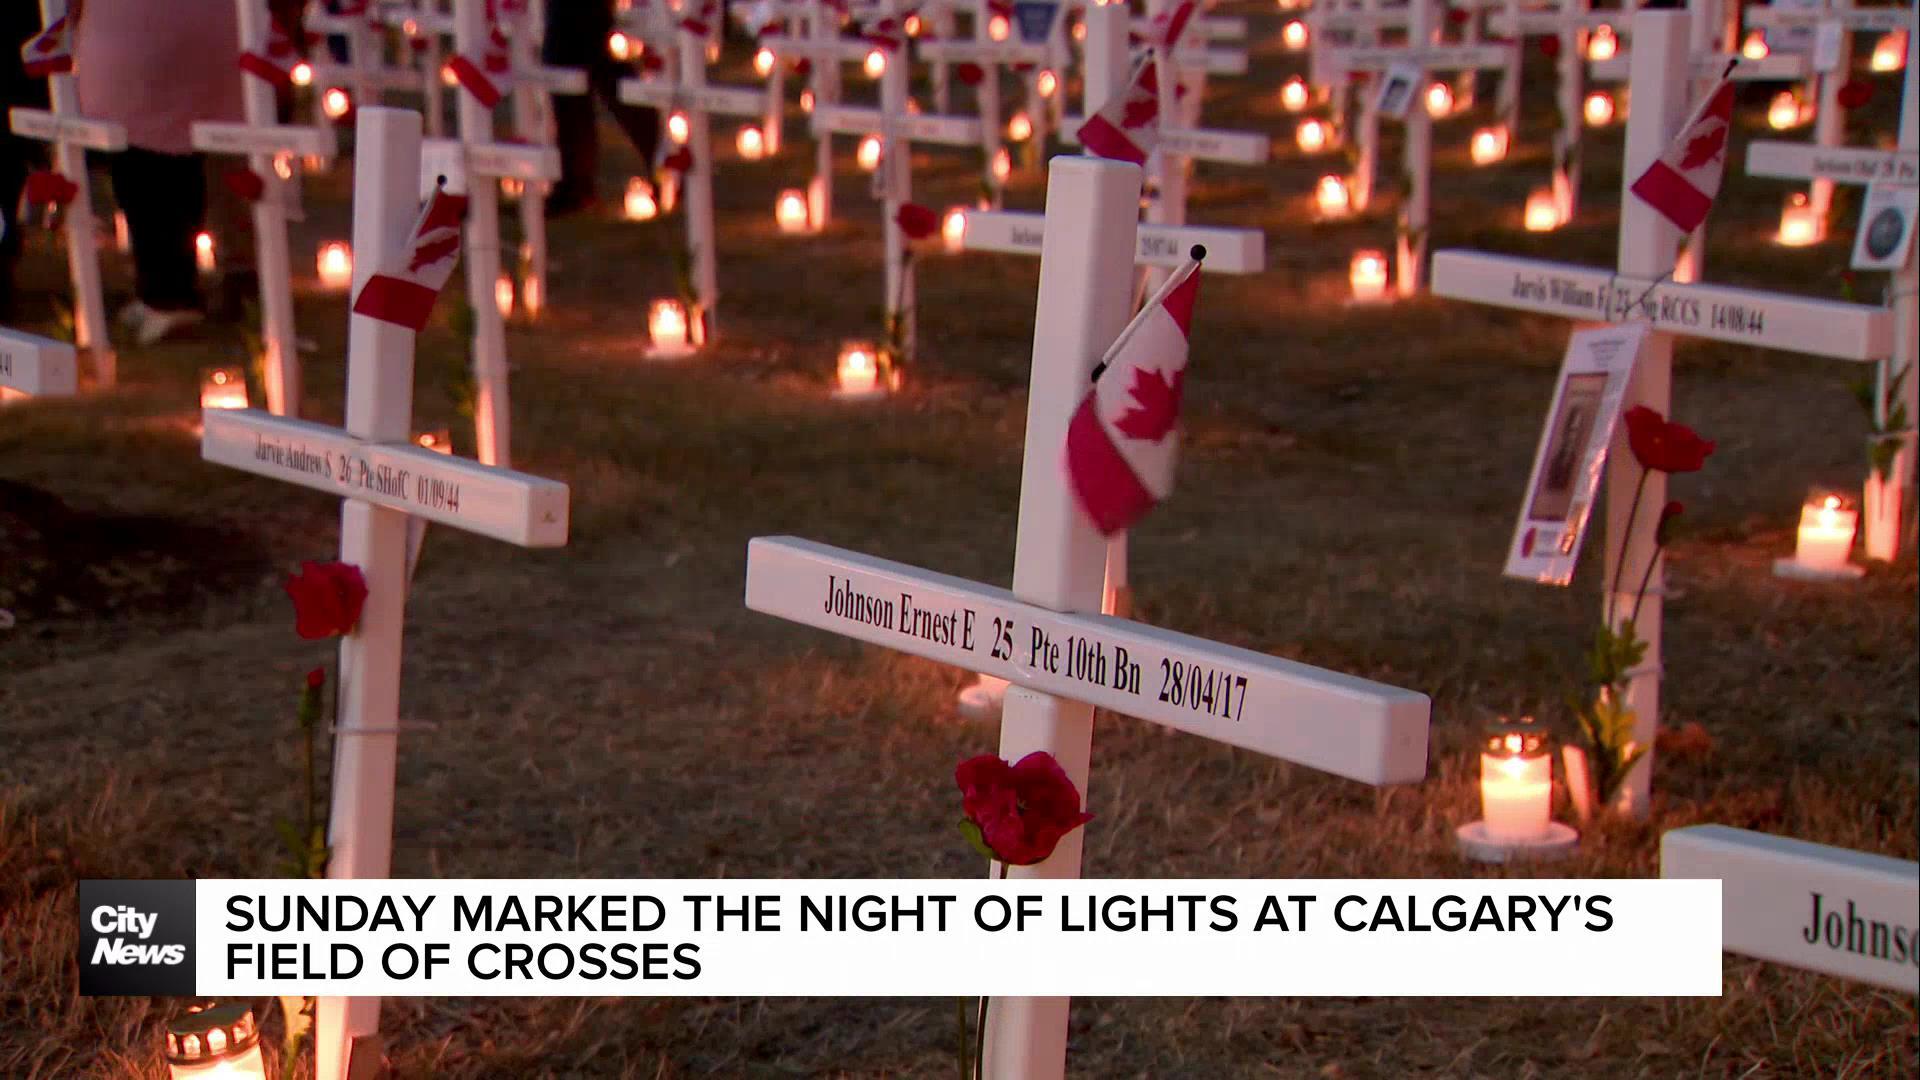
{"type": "Point", "coordinates": [157, 66]}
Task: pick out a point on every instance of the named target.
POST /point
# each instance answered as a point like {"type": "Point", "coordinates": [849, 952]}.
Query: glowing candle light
{"type": "Point", "coordinates": [669, 335]}
{"type": "Point", "coordinates": [440, 441]}
{"type": "Point", "coordinates": [512, 187]}
{"type": "Point", "coordinates": [1799, 224]}
{"type": "Point", "coordinates": [283, 166]}
{"type": "Point", "coordinates": [1002, 165]}
{"type": "Point", "coordinates": [668, 193]}
{"type": "Point", "coordinates": [301, 74]}
{"type": "Point", "coordinates": [912, 25]}
{"type": "Point", "coordinates": [953, 229]}
{"type": "Point", "coordinates": [1754, 47]}
{"type": "Point", "coordinates": [122, 239]}
{"type": "Point", "coordinates": [1598, 109]}
{"type": "Point", "coordinates": [875, 65]}
{"type": "Point", "coordinates": [868, 153]}
{"type": "Point", "coordinates": [1079, 31]}
{"type": "Point", "coordinates": [806, 101]}
{"type": "Point", "coordinates": [531, 298]}
{"type": "Point", "coordinates": [1516, 787]}
{"type": "Point", "coordinates": [1543, 211]}
{"type": "Point", "coordinates": [1046, 84]}
{"type": "Point", "coordinates": [679, 128]}
{"type": "Point", "coordinates": [1020, 127]}
{"type": "Point", "coordinates": [1313, 136]}
{"type": "Point", "coordinates": [999, 28]}
{"type": "Point", "coordinates": [751, 142]}
{"type": "Point", "coordinates": [763, 61]}
{"type": "Point", "coordinates": [857, 374]}
{"type": "Point", "coordinates": [215, 1042]}
{"type": "Point", "coordinates": [448, 78]}
{"type": "Point", "coordinates": [790, 212]}
{"type": "Point", "coordinates": [1783, 112]}
{"type": "Point", "coordinates": [1439, 100]}
{"type": "Point", "coordinates": [1489, 145]}
{"type": "Point", "coordinates": [1890, 52]}
{"type": "Point", "coordinates": [1827, 523]}
{"type": "Point", "coordinates": [1367, 273]}
{"type": "Point", "coordinates": [223, 388]}
{"type": "Point", "coordinates": [336, 103]}
{"type": "Point", "coordinates": [1294, 94]}
{"type": "Point", "coordinates": [1294, 35]}
{"type": "Point", "coordinates": [639, 202]}
{"type": "Point", "coordinates": [1602, 44]}
{"type": "Point", "coordinates": [1331, 197]}
{"type": "Point", "coordinates": [335, 265]}
{"type": "Point", "coordinates": [503, 295]}
{"type": "Point", "coordinates": [203, 251]}
{"type": "Point", "coordinates": [619, 46]}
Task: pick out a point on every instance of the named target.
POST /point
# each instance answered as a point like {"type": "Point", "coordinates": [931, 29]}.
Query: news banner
{"type": "Point", "coordinates": [462, 938]}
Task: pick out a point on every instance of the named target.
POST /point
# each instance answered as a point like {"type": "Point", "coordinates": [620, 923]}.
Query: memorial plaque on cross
{"type": "Point", "coordinates": [1640, 289]}
{"type": "Point", "coordinates": [384, 481]}
{"type": "Point", "coordinates": [1063, 661]}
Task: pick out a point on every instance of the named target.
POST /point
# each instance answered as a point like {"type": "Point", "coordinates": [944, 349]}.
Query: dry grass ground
{"type": "Point", "coordinates": [611, 710]}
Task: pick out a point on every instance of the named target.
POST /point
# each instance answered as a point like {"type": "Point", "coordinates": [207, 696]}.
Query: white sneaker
{"type": "Point", "coordinates": [155, 325]}
{"type": "Point", "coordinates": [131, 315]}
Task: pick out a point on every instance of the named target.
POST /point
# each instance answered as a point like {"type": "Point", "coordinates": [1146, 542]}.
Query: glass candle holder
{"type": "Point", "coordinates": [1827, 524]}
{"type": "Point", "coordinates": [1799, 223]}
{"type": "Point", "coordinates": [639, 203]}
{"type": "Point", "coordinates": [1295, 94]}
{"type": "Point", "coordinates": [790, 212]}
{"type": "Point", "coordinates": [1489, 145]}
{"type": "Point", "coordinates": [953, 229]}
{"type": "Point", "coordinates": [335, 266]}
{"type": "Point", "coordinates": [223, 388]}
{"type": "Point", "coordinates": [1367, 275]}
{"type": "Point", "coordinates": [1543, 211]}
{"type": "Point", "coordinates": [670, 333]}
{"type": "Point", "coordinates": [215, 1042]}
{"type": "Point", "coordinates": [1332, 198]}
{"type": "Point", "coordinates": [1516, 785]}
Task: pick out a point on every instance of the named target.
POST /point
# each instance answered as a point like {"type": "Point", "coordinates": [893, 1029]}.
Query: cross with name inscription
{"type": "Point", "coordinates": [1061, 660]}
{"type": "Point", "coordinates": [1570, 23]}
{"type": "Point", "coordinates": [35, 366]}
{"type": "Point", "coordinates": [72, 135]}
{"type": "Point", "coordinates": [385, 482]}
{"type": "Point", "coordinates": [1846, 913]}
{"type": "Point", "coordinates": [1641, 290]}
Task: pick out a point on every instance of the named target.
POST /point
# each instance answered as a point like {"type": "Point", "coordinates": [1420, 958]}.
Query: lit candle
{"type": "Point", "coordinates": [203, 253]}
{"type": "Point", "coordinates": [1294, 94]}
{"type": "Point", "coordinates": [953, 229]}
{"type": "Point", "coordinates": [1755, 45]}
{"type": "Point", "coordinates": [1368, 275]}
{"type": "Point", "coordinates": [1516, 787]}
{"type": "Point", "coordinates": [440, 442]}
{"type": "Point", "coordinates": [912, 25]}
{"type": "Point", "coordinates": [1799, 224]}
{"type": "Point", "coordinates": [868, 155]}
{"type": "Point", "coordinates": [302, 74]}
{"type": "Point", "coordinates": [1439, 100]}
{"type": "Point", "coordinates": [751, 143]}
{"type": "Point", "coordinates": [1598, 109]}
{"type": "Point", "coordinates": [336, 103]}
{"type": "Point", "coordinates": [668, 193]}
{"type": "Point", "coordinates": [763, 61]}
{"type": "Point", "coordinates": [122, 240]}
{"type": "Point", "coordinates": [670, 338]}
{"type": "Point", "coordinates": [999, 28]}
{"type": "Point", "coordinates": [503, 294]}
{"type": "Point", "coordinates": [1489, 145]}
{"type": "Point", "coordinates": [619, 46]}
{"type": "Point", "coordinates": [1543, 211]}
{"type": "Point", "coordinates": [806, 101]}
{"type": "Point", "coordinates": [1020, 127]}
{"type": "Point", "coordinates": [1827, 523]}
{"type": "Point", "coordinates": [1294, 35]}
{"type": "Point", "coordinates": [678, 128]}
{"type": "Point", "coordinates": [1079, 31]}
{"type": "Point", "coordinates": [875, 65]}
{"type": "Point", "coordinates": [1890, 52]}
{"type": "Point", "coordinates": [1602, 44]}
{"type": "Point", "coordinates": [215, 1042]}
{"type": "Point", "coordinates": [511, 188]}
{"type": "Point", "coordinates": [790, 212]}
{"type": "Point", "coordinates": [857, 375]}
{"type": "Point", "coordinates": [223, 388]}
{"type": "Point", "coordinates": [1331, 197]}
{"type": "Point", "coordinates": [335, 266]}
{"type": "Point", "coordinates": [1312, 136]}
{"type": "Point", "coordinates": [1002, 165]}
{"type": "Point", "coordinates": [1046, 83]}
{"type": "Point", "coordinates": [448, 78]}
{"type": "Point", "coordinates": [639, 203]}
{"type": "Point", "coordinates": [283, 166]}
{"type": "Point", "coordinates": [1783, 112]}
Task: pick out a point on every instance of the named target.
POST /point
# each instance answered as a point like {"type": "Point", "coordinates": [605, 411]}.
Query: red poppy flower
{"type": "Point", "coordinates": [1854, 93]}
{"type": "Point", "coordinates": [1664, 446]}
{"type": "Point", "coordinates": [652, 61]}
{"type": "Point", "coordinates": [1550, 45]}
{"type": "Point", "coordinates": [1017, 813]}
{"type": "Point", "coordinates": [245, 184]}
{"type": "Point", "coordinates": [679, 161]}
{"type": "Point", "coordinates": [916, 221]}
{"type": "Point", "coordinates": [48, 188]}
{"type": "Point", "coordinates": [969, 73]}
{"type": "Point", "coordinates": [316, 678]}
{"type": "Point", "coordinates": [327, 598]}
{"type": "Point", "coordinates": [1456, 16]}
{"type": "Point", "coordinates": [803, 67]}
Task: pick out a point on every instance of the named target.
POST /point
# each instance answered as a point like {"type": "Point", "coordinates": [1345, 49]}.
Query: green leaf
{"type": "Point", "coordinates": [297, 1013]}
{"type": "Point", "coordinates": [975, 839]}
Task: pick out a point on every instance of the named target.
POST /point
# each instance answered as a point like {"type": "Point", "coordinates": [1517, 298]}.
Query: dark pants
{"type": "Point", "coordinates": [576, 37]}
{"type": "Point", "coordinates": [15, 156]}
{"type": "Point", "coordinates": [165, 199]}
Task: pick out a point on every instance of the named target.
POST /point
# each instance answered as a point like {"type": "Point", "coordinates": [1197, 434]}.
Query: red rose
{"type": "Point", "coordinates": [1550, 46]}
{"type": "Point", "coordinates": [327, 598]}
{"type": "Point", "coordinates": [316, 678]}
{"type": "Point", "coordinates": [1017, 813]}
{"type": "Point", "coordinates": [1854, 93]}
{"type": "Point", "coordinates": [679, 161]}
{"type": "Point", "coordinates": [969, 73]}
{"type": "Point", "coordinates": [1663, 446]}
{"type": "Point", "coordinates": [1456, 16]}
{"type": "Point", "coordinates": [916, 221]}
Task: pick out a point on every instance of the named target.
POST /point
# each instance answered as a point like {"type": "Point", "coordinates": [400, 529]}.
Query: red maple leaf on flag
{"type": "Point", "coordinates": [1156, 405]}
{"type": "Point", "coordinates": [1139, 112]}
{"type": "Point", "coordinates": [433, 251]}
{"type": "Point", "coordinates": [1702, 149]}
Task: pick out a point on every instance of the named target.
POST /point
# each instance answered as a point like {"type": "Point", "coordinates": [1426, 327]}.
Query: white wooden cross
{"type": "Point", "coordinates": [271, 149]}
{"type": "Point", "coordinates": [384, 481]}
{"type": "Point", "coordinates": [813, 34]}
{"type": "Point", "coordinates": [34, 366]}
{"type": "Point", "coordinates": [1062, 660]}
{"type": "Point", "coordinates": [72, 135]}
{"type": "Point", "coordinates": [1639, 290]}
{"type": "Point", "coordinates": [1418, 53]}
{"type": "Point", "coordinates": [1812, 906]}
{"type": "Point", "coordinates": [1829, 165]}
{"type": "Point", "coordinates": [1570, 23]}
{"type": "Point", "coordinates": [684, 91]}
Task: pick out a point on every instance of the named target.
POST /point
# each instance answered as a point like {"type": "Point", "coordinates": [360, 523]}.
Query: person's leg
{"type": "Point", "coordinates": [164, 198]}
{"type": "Point", "coordinates": [13, 178]}
{"type": "Point", "coordinates": [576, 37]}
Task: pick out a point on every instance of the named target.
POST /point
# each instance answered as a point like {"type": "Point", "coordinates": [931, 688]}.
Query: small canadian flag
{"type": "Point", "coordinates": [1681, 185]}
{"type": "Point", "coordinates": [1124, 437]}
{"type": "Point", "coordinates": [50, 52]}
{"type": "Point", "coordinates": [403, 289]}
{"type": "Point", "coordinates": [1127, 127]}
{"type": "Point", "coordinates": [276, 57]}
{"type": "Point", "coordinates": [495, 62]}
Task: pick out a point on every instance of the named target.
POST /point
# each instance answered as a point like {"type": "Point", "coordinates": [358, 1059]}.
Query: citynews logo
{"type": "Point", "coordinates": [136, 938]}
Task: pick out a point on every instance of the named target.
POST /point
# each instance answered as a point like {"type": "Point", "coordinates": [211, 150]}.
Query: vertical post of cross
{"type": "Point", "coordinates": [492, 416]}
{"type": "Point", "coordinates": [698, 191]}
{"type": "Point", "coordinates": [896, 188]}
{"type": "Point", "coordinates": [386, 179]}
{"type": "Point", "coordinates": [1830, 122]}
{"type": "Point", "coordinates": [1660, 81]}
{"type": "Point", "coordinates": [281, 363]}
{"type": "Point", "coordinates": [1886, 499]}
{"type": "Point", "coordinates": [1085, 298]}
{"type": "Point", "coordinates": [83, 244]}
{"type": "Point", "coordinates": [1410, 248]}
{"type": "Point", "coordinates": [532, 121]}
{"type": "Point", "coordinates": [1569, 90]}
